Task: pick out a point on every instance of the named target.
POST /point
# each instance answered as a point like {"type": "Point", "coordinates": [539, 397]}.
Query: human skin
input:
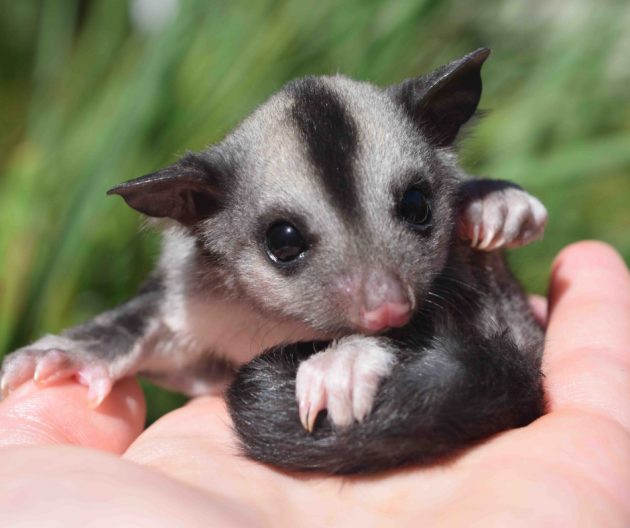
{"type": "Point", "coordinates": [64, 464]}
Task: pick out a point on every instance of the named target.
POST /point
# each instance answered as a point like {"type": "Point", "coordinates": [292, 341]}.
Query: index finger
{"type": "Point", "coordinates": [587, 350]}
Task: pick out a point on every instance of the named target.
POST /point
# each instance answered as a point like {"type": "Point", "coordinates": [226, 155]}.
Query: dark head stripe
{"type": "Point", "coordinates": [330, 135]}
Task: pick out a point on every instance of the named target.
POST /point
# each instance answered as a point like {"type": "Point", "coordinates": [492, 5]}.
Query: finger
{"type": "Point", "coordinates": [60, 414]}
{"type": "Point", "coordinates": [590, 296]}
{"type": "Point", "coordinates": [587, 351]}
{"type": "Point", "coordinates": [538, 304]}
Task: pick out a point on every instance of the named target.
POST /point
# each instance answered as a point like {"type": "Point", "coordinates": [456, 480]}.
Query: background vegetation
{"type": "Point", "coordinates": [93, 93]}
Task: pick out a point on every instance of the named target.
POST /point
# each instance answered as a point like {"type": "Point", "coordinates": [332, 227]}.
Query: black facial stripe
{"type": "Point", "coordinates": [331, 137]}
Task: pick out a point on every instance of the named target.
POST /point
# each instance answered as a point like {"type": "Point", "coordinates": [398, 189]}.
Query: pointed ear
{"type": "Point", "coordinates": [443, 100]}
{"type": "Point", "coordinates": [188, 191]}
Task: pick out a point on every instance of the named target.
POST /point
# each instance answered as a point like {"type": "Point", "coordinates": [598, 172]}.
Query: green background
{"type": "Point", "coordinates": [89, 98]}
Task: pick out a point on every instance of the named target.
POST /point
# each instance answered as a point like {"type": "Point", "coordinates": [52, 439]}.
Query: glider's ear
{"type": "Point", "coordinates": [443, 100]}
{"type": "Point", "coordinates": [187, 191]}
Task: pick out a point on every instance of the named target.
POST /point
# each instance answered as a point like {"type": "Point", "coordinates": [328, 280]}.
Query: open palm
{"type": "Point", "coordinates": [571, 467]}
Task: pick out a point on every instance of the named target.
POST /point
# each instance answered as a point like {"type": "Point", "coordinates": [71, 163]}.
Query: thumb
{"type": "Point", "coordinates": [60, 414]}
{"type": "Point", "coordinates": [587, 351]}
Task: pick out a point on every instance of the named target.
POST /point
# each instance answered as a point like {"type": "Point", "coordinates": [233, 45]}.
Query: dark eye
{"type": "Point", "coordinates": [414, 208]}
{"type": "Point", "coordinates": [284, 242]}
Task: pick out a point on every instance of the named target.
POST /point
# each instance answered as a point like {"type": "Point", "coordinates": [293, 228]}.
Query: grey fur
{"type": "Point", "coordinates": [222, 301]}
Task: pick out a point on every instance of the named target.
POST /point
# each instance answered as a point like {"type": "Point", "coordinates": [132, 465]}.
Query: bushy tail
{"type": "Point", "coordinates": [449, 395]}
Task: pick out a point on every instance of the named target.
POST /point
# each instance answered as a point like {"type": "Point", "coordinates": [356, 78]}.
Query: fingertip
{"type": "Point", "coordinates": [586, 246]}
{"type": "Point", "coordinates": [61, 414]}
{"type": "Point", "coordinates": [588, 272]}
{"type": "Point", "coordinates": [587, 254]}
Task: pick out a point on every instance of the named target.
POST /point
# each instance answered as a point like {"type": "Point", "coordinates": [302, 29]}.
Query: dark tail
{"type": "Point", "coordinates": [445, 398]}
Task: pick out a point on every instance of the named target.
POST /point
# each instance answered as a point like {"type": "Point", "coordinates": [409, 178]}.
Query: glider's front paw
{"type": "Point", "coordinates": [52, 359]}
{"type": "Point", "coordinates": [343, 379]}
{"type": "Point", "coordinates": [505, 217]}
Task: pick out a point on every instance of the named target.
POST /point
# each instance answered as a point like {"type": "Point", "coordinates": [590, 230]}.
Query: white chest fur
{"type": "Point", "coordinates": [236, 331]}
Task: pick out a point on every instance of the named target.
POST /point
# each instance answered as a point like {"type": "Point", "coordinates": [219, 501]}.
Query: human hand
{"type": "Point", "coordinates": [571, 467]}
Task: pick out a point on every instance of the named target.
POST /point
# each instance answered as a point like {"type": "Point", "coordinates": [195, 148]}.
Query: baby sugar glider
{"type": "Point", "coordinates": [332, 262]}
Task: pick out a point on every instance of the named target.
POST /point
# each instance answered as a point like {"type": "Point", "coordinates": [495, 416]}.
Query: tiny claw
{"type": "Point", "coordinates": [309, 410]}
{"type": "Point", "coordinates": [487, 240]}
{"type": "Point", "coordinates": [4, 388]}
{"type": "Point", "coordinates": [497, 243]}
{"type": "Point", "coordinates": [475, 238]}
{"type": "Point", "coordinates": [98, 391]}
{"type": "Point", "coordinates": [316, 403]}
{"type": "Point", "coordinates": [54, 366]}
{"type": "Point", "coordinates": [304, 412]}
{"type": "Point", "coordinates": [310, 418]}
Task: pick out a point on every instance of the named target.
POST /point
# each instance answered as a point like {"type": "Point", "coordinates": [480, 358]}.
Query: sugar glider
{"type": "Point", "coordinates": [331, 254]}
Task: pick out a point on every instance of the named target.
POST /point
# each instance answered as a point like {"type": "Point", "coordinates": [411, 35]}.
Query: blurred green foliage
{"type": "Point", "coordinates": [88, 99]}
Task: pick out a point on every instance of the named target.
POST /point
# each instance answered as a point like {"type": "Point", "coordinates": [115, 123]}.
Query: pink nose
{"type": "Point", "coordinates": [387, 315]}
